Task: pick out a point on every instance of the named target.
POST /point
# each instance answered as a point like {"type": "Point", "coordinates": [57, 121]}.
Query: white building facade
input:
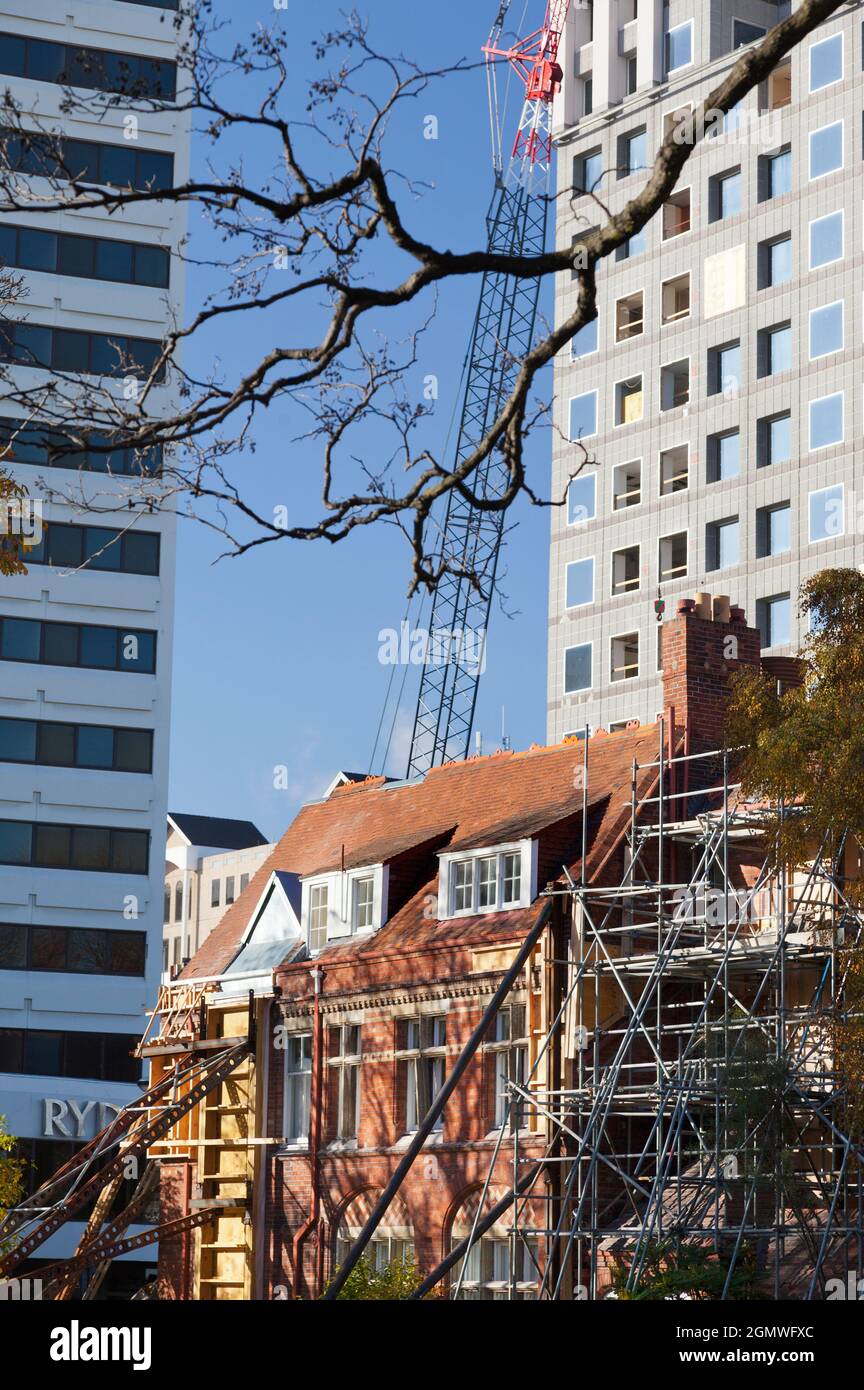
{"type": "Point", "coordinates": [86, 635]}
{"type": "Point", "coordinates": [719, 392]}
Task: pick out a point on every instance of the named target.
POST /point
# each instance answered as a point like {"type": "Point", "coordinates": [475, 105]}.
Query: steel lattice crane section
{"type": "Point", "coordinates": [501, 337]}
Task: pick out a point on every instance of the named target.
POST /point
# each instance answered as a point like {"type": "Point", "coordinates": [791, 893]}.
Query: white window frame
{"type": "Point", "coordinates": [580, 357]}
{"type": "Point", "coordinates": [574, 607]}
{"type": "Point", "coordinates": [341, 1064]}
{"type": "Point", "coordinates": [829, 125]}
{"type": "Point", "coordinates": [838, 212]}
{"type": "Point", "coordinates": [619, 637]}
{"type": "Point", "coordinates": [666, 410]}
{"type": "Point", "coordinates": [582, 689]}
{"type": "Point", "coordinates": [681, 318]}
{"type": "Point", "coordinates": [592, 476]}
{"type": "Point", "coordinates": [817, 400]}
{"type": "Point", "coordinates": [621, 511]}
{"type": "Point", "coordinates": [625, 424]}
{"type": "Point", "coordinates": [820, 43]}
{"type": "Point", "coordinates": [674, 578]}
{"type": "Point", "coordinates": [526, 849]}
{"type": "Point", "coordinates": [581, 395]}
{"type": "Point", "coordinates": [296, 1141]}
{"type": "Point", "coordinates": [667, 448]}
{"type": "Point", "coordinates": [341, 921]}
{"type": "Point", "coordinates": [686, 24]}
{"type": "Point", "coordinates": [814, 492]}
{"type": "Point", "coordinates": [820, 308]}
{"type": "Point", "coordinates": [635, 589]}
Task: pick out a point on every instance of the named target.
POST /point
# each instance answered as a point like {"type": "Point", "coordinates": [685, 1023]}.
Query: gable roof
{"type": "Point", "coordinates": [217, 832]}
{"type": "Point", "coordinates": [488, 800]}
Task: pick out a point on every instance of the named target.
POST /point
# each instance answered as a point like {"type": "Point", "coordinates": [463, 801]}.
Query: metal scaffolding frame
{"type": "Point", "coordinates": [697, 1111]}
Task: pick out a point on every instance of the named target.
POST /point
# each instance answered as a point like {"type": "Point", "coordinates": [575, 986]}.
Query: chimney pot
{"type": "Point", "coordinates": [737, 615]}
{"type": "Point", "coordinates": [686, 605]}
{"type": "Point", "coordinates": [721, 610]}
{"type": "Point", "coordinates": [703, 605]}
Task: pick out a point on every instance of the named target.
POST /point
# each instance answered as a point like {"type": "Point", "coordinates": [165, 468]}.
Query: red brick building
{"type": "Point", "coordinates": [373, 940]}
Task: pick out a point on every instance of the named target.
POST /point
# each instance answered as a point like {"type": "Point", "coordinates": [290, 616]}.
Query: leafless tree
{"type": "Point", "coordinates": [322, 238]}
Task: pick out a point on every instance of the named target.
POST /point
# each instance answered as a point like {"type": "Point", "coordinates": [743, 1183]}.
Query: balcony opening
{"type": "Point", "coordinates": [675, 384]}
{"type": "Point", "coordinates": [676, 299]}
{"type": "Point", "coordinates": [674, 469]}
{"type": "Point", "coordinates": [676, 214]}
{"type": "Point", "coordinates": [625, 570]}
{"type": "Point", "coordinates": [776, 91]}
{"type": "Point", "coordinates": [673, 556]}
{"type": "Point", "coordinates": [626, 486]}
{"type": "Point", "coordinates": [629, 316]}
{"type": "Point", "coordinates": [628, 401]}
{"type": "Point", "coordinates": [625, 657]}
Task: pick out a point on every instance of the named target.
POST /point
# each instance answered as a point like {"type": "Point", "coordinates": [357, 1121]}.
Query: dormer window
{"type": "Point", "coordinates": [485, 880]}
{"type": "Point", "coordinates": [364, 903]}
{"type": "Point", "coordinates": [318, 902]}
{"type": "Point", "coordinates": [344, 903]}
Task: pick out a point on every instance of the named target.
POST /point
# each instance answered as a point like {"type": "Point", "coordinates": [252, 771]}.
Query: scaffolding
{"type": "Point", "coordinates": [688, 1088]}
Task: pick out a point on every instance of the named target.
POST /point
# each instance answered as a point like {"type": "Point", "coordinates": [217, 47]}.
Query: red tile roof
{"type": "Point", "coordinates": [488, 800]}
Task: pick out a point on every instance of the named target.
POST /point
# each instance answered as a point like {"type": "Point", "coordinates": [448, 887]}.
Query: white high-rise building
{"type": "Point", "coordinates": [719, 390]}
{"type": "Point", "coordinates": [86, 635]}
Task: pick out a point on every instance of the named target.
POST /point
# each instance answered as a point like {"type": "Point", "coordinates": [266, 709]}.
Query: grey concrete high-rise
{"type": "Point", "coordinates": [719, 391]}
{"type": "Point", "coordinates": [86, 635]}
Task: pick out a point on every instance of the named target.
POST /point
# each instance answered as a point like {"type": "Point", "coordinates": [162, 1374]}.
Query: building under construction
{"type": "Point", "coordinates": [544, 1025]}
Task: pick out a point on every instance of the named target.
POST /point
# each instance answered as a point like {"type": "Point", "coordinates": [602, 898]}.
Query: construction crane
{"type": "Point", "coordinates": [502, 335]}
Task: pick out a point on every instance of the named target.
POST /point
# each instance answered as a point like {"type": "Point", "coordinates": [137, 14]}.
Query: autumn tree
{"type": "Point", "coordinates": [325, 236]}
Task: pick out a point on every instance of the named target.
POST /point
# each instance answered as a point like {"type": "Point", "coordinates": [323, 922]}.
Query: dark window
{"type": "Point", "coordinates": [43, 1053]}
{"type": "Point", "coordinates": [81, 950]}
{"type": "Point", "coordinates": [229, 890]}
{"type": "Point", "coordinates": [18, 740]}
{"type": "Point", "coordinates": [69, 350]}
{"type": "Point", "coordinates": [99, 548]}
{"type": "Point", "coordinates": [37, 444]}
{"type": "Point", "coordinates": [133, 750]}
{"type": "Point", "coordinates": [56, 744]}
{"type": "Point", "coordinates": [70, 644]}
{"type": "Point", "coordinates": [96, 69]}
{"type": "Point", "coordinates": [90, 847]}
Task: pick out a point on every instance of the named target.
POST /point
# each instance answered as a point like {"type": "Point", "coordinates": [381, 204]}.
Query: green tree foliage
{"type": "Point", "coordinates": [11, 1170]}
{"type": "Point", "coordinates": [805, 747]}
{"type": "Point", "coordinates": [686, 1271]}
{"type": "Point", "coordinates": [395, 1283]}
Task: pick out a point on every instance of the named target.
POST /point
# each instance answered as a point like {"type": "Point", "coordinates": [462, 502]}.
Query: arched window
{"type": "Point", "coordinates": [503, 1264]}
{"type": "Point", "coordinates": [392, 1241]}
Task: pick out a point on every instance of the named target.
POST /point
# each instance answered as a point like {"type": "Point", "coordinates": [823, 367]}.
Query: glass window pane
{"type": "Point", "coordinates": [43, 1054]}
{"type": "Point", "coordinates": [114, 261]}
{"type": "Point", "coordinates": [679, 46]}
{"type": "Point", "coordinates": [826, 513]}
{"type": "Point", "coordinates": [37, 250]}
{"type": "Point", "coordinates": [137, 651]}
{"type": "Point", "coordinates": [60, 644]}
{"type": "Point", "coordinates": [51, 846]}
{"type": "Point", "coordinates": [84, 1055]}
{"type": "Point", "coordinates": [779, 530]}
{"type": "Point", "coordinates": [17, 740]}
{"type": "Point", "coordinates": [102, 549]}
{"type": "Point", "coordinates": [15, 842]}
{"type": "Point", "coordinates": [48, 948]}
{"type": "Point", "coordinates": [127, 953]}
{"type": "Point", "coordinates": [826, 62]}
{"type": "Point", "coordinates": [99, 647]}
{"type": "Point", "coordinates": [781, 261]}
{"type": "Point", "coordinates": [585, 341]}
{"type": "Point", "coordinates": [20, 640]}
{"type": "Point", "coordinates": [109, 354]}
{"type": "Point", "coordinates": [71, 350]}
{"type": "Point", "coordinates": [580, 583]}
{"type": "Point", "coordinates": [152, 266]}
{"type": "Point", "coordinates": [129, 851]}
{"type": "Point", "coordinates": [140, 553]}
{"type": "Point", "coordinates": [582, 499]}
{"type": "Point", "coordinates": [95, 746]}
{"type": "Point", "coordinates": [64, 546]}
{"type": "Point", "coordinates": [57, 744]}
{"type": "Point", "coordinates": [133, 751]}
{"type": "Point", "coordinates": [577, 668]}
{"type": "Point", "coordinates": [155, 170]}
{"type": "Point", "coordinates": [13, 948]}
{"type": "Point", "coordinates": [13, 55]}
{"type": "Point", "coordinates": [728, 456]}
{"type": "Point", "coordinates": [33, 345]}
{"type": "Point", "coordinates": [117, 166]}
{"type": "Point", "coordinates": [90, 847]}
{"type": "Point", "coordinates": [46, 61]}
{"type": "Point", "coordinates": [75, 255]}
{"type": "Point", "coordinates": [779, 620]}
{"type": "Point", "coordinates": [826, 150]}
{"type": "Point", "coordinates": [780, 174]}
{"type": "Point", "coordinates": [826, 421]}
{"type": "Point", "coordinates": [826, 330]}
{"type": "Point", "coordinates": [88, 951]}
{"type": "Point", "coordinates": [826, 240]}
{"type": "Point", "coordinates": [583, 415]}
{"type": "Point", "coordinates": [780, 350]}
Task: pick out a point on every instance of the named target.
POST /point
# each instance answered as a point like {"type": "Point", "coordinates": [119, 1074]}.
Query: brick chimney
{"type": "Point", "coordinates": [706, 642]}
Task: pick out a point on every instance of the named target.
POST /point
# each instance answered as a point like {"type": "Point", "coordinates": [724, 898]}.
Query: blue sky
{"type": "Point", "coordinates": [276, 653]}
